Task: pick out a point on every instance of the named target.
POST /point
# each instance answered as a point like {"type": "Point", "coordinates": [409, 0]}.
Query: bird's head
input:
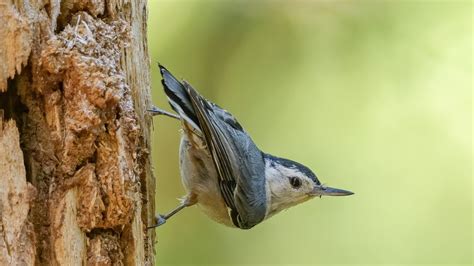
{"type": "Point", "coordinates": [290, 183]}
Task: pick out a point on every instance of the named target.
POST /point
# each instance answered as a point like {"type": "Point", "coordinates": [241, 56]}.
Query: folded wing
{"type": "Point", "coordinates": [238, 161]}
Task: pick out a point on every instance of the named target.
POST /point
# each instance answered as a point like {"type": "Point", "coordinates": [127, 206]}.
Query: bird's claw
{"type": "Point", "coordinates": [160, 220]}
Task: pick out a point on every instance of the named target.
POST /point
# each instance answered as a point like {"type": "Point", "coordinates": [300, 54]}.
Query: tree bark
{"type": "Point", "coordinates": [76, 185]}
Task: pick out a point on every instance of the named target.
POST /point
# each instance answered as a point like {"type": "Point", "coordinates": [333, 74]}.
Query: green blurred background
{"type": "Point", "coordinates": [374, 97]}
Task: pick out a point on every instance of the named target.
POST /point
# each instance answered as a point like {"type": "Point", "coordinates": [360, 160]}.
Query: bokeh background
{"type": "Point", "coordinates": [375, 97]}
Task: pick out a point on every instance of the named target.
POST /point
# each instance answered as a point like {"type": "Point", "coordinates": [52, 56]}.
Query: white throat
{"type": "Point", "coordinates": [280, 195]}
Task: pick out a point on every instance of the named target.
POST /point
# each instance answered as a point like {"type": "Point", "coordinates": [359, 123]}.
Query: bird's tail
{"type": "Point", "coordinates": [178, 97]}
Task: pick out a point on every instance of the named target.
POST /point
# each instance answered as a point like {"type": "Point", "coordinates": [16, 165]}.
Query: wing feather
{"type": "Point", "coordinates": [217, 144]}
{"type": "Point", "coordinates": [239, 165]}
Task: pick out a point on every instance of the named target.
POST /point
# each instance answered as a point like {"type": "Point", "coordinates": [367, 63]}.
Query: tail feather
{"type": "Point", "coordinates": [178, 97]}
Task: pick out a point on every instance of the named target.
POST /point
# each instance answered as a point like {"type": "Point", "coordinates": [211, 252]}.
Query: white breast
{"type": "Point", "coordinates": [199, 177]}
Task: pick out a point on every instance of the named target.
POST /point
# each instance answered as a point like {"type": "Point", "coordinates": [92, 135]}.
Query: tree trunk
{"type": "Point", "coordinates": [75, 178]}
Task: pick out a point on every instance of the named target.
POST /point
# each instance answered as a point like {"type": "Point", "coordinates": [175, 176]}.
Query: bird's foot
{"type": "Point", "coordinates": [160, 220]}
{"type": "Point", "coordinates": [157, 111]}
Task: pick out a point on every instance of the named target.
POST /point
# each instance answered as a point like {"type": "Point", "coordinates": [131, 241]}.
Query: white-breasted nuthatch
{"type": "Point", "coordinates": [222, 169]}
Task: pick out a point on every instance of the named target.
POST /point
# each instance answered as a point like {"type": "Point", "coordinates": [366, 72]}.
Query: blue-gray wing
{"type": "Point", "coordinates": [239, 163]}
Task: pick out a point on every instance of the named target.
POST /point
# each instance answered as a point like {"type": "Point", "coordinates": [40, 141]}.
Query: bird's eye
{"type": "Point", "coordinates": [295, 182]}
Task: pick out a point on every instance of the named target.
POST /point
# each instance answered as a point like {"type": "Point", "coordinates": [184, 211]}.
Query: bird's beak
{"type": "Point", "coordinates": [322, 190]}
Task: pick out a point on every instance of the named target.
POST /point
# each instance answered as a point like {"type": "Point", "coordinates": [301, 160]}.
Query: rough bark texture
{"type": "Point", "coordinates": [76, 182]}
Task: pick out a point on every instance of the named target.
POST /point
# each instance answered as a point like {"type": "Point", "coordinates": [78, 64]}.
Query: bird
{"type": "Point", "coordinates": [222, 169]}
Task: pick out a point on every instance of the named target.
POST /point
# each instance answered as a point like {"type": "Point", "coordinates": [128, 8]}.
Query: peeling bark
{"type": "Point", "coordinates": [75, 85]}
{"type": "Point", "coordinates": [15, 201]}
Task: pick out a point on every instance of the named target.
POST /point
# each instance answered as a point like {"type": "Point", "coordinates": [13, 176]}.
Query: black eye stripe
{"type": "Point", "coordinates": [295, 182]}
